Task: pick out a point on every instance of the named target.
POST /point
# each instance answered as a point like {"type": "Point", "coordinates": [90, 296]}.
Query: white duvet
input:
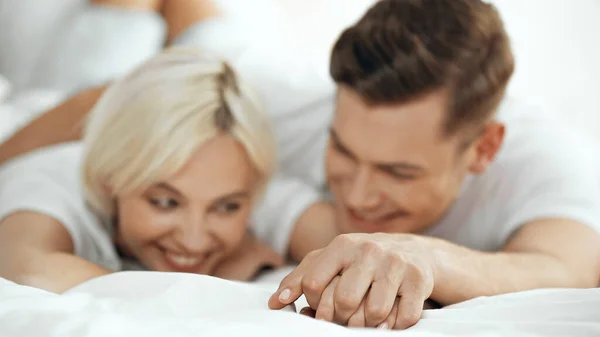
{"type": "Point", "coordinates": [154, 304]}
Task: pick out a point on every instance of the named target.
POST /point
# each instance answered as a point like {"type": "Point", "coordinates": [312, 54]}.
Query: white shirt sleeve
{"type": "Point", "coordinates": [47, 182]}
{"type": "Point", "coordinates": [284, 200]}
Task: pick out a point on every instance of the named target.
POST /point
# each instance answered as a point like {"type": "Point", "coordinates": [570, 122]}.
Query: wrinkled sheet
{"type": "Point", "coordinates": [152, 304]}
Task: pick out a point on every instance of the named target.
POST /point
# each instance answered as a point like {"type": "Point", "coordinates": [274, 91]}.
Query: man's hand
{"type": "Point", "coordinates": [367, 273]}
{"type": "Point", "coordinates": [370, 280]}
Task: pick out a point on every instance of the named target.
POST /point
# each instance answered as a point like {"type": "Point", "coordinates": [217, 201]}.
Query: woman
{"type": "Point", "coordinates": [173, 158]}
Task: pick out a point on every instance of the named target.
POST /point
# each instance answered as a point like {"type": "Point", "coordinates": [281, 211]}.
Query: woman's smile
{"type": "Point", "coordinates": [183, 262]}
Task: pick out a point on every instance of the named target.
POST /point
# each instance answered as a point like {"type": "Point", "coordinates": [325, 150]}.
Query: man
{"type": "Point", "coordinates": [439, 194]}
{"type": "Point", "coordinates": [470, 202]}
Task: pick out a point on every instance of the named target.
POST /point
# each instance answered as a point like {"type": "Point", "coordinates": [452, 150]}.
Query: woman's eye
{"type": "Point", "coordinates": [164, 203]}
{"type": "Point", "coordinates": [228, 207]}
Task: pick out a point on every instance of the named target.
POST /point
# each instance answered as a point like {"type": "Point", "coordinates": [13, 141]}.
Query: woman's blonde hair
{"type": "Point", "coordinates": [148, 124]}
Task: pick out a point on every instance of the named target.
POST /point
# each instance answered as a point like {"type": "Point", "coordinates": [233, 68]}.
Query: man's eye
{"type": "Point", "coordinates": [164, 203]}
{"type": "Point", "coordinates": [398, 175]}
{"type": "Point", "coordinates": [341, 150]}
{"type": "Point", "coordinates": [228, 207]}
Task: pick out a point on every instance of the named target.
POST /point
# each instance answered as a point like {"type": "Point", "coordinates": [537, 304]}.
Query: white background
{"type": "Point", "coordinates": [556, 43]}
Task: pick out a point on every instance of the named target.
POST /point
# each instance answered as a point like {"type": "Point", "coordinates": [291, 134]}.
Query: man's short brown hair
{"type": "Point", "coordinates": [401, 50]}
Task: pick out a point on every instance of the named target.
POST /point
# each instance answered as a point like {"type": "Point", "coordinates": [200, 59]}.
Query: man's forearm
{"type": "Point", "coordinates": [463, 274]}
{"type": "Point", "coordinates": [314, 230]}
{"type": "Point", "coordinates": [61, 124]}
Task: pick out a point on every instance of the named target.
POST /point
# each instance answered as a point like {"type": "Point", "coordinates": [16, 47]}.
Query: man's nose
{"type": "Point", "coordinates": [361, 194]}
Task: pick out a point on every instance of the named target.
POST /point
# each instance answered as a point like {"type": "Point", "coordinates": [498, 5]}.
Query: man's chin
{"type": "Point", "coordinates": [347, 223]}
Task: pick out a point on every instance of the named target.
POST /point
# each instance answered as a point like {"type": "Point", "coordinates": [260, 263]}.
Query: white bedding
{"type": "Point", "coordinates": [153, 304]}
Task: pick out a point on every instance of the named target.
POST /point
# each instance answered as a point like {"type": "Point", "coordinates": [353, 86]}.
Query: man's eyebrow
{"type": "Point", "coordinates": [383, 166]}
{"type": "Point", "coordinates": [339, 143]}
{"type": "Point", "coordinates": [400, 166]}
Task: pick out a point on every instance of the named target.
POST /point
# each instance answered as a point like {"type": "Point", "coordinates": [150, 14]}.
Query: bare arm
{"type": "Point", "coordinates": [552, 253]}
{"type": "Point", "coordinates": [61, 124]}
{"type": "Point", "coordinates": [37, 251]}
{"type": "Point", "coordinates": [314, 230]}
{"type": "Point", "coordinates": [152, 5]}
{"type": "Point", "coordinates": [182, 14]}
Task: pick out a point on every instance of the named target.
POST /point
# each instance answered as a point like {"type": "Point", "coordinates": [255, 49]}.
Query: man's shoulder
{"type": "Point", "coordinates": [545, 167]}
{"type": "Point", "coordinates": [537, 140]}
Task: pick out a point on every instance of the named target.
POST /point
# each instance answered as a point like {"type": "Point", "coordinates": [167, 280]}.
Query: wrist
{"type": "Point", "coordinates": [444, 266]}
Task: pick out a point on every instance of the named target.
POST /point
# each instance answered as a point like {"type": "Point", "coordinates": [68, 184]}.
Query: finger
{"type": "Point", "coordinates": [308, 311]}
{"type": "Point", "coordinates": [384, 290]}
{"type": "Point", "coordinates": [390, 321]}
{"type": "Point", "coordinates": [325, 306]}
{"type": "Point", "coordinates": [350, 291]}
{"type": "Point", "coordinates": [410, 310]}
{"type": "Point", "coordinates": [322, 270]}
{"type": "Point", "coordinates": [413, 295]}
{"type": "Point", "coordinates": [357, 320]}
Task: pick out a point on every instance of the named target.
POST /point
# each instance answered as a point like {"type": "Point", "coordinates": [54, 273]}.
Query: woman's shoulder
{"type": "Point", "coordinates": [48, 182]}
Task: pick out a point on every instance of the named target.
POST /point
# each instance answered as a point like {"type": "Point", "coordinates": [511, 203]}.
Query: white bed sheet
{"type": "Point", "coordinates": [154, 304]}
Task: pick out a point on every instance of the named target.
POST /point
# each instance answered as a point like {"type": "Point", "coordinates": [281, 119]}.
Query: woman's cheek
{"type": "Point", "coordinates": [231, 230]}
{"type": "Point", "coordinates": [142, 223]}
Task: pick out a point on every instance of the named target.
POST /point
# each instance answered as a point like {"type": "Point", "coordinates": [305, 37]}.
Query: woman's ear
{"type": "Point", "coordinates": [487, 147]}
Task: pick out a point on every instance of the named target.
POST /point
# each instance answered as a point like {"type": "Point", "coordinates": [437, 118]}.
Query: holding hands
{"type": "Point", "coordinates": [364, 280]}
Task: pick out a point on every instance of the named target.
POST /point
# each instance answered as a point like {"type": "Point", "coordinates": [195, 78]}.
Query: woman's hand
{"type": "Point", "coordinates": [250, 257]}
{"type": "Point", "coordinates": [358, 318]}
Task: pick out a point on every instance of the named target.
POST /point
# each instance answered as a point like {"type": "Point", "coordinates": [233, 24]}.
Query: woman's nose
{"type": "Point", "coordinates": [195, 237]}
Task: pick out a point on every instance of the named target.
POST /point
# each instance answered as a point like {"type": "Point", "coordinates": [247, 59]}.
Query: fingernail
{"type": "Point", "coordinates": [383, 326]}
{"type": "Point", "coordinates": [285, 295]}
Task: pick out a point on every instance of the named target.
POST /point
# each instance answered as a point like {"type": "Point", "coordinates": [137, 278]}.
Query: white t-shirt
{"type": "Point", "coordinates": [544, 170]}
{"type": "Point", "coordinates": [48, 181]}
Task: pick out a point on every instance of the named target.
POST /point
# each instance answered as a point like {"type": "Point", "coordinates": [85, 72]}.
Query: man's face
{"type": "Point", "coordinates": [390, 168]}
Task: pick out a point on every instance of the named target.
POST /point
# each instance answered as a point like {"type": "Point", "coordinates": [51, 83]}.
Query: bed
{"type": "Point", "coordinates": [34, 78]}
{"type": "Point", "coordinates": [184, 305]}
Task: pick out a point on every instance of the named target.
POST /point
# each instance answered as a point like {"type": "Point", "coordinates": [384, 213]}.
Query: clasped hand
{"type": "Point", "coordinates": [364, 280]}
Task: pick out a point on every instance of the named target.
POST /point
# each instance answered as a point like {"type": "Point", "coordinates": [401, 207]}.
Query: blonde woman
{"type": "Point", "coordinates": [173, 159]}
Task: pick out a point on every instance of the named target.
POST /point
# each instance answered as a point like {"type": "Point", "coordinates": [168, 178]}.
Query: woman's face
{"type": "Point", "coordinates": [191, 221]}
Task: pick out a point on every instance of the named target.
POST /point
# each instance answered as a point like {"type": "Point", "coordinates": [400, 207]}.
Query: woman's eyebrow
{"type": "Point", "coordinates": [233, 195]}
{"type": "Point", "coordinates": [167, 187]}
